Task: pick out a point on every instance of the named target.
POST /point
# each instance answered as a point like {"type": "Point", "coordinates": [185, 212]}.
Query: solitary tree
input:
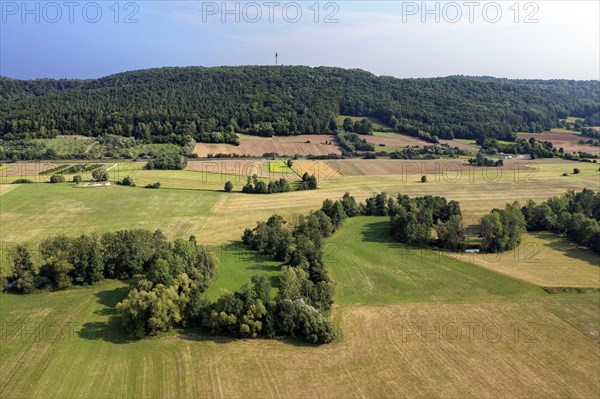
{"type": "Point", "coordinates": [423, 179]}
{"type": "Point", "coordinates": [228, 186]}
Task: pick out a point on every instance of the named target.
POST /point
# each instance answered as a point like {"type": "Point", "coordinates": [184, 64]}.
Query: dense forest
{"type": "Point", "coordinates": [174, 105]}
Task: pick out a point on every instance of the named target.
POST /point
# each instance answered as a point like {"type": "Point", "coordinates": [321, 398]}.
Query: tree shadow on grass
{"type": "Point", "coordinates": [569, 248]}
{"type": "Point", "coordinates": [203, 335]}
{"type": "Point", "coordinates": [111, 330]}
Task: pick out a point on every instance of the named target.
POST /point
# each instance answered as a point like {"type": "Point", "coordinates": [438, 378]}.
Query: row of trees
{"type": "Point", "coordinates": [426, 152]}
{"type": "Point", "coordinates": [352, 142]}
{"type": "Point", "coordinates": [412, 220]}
{"type": "Point", "coordinates": [306, 291]}
{"type": "Point", "coordinates": [256, 186]}
{"type": "Point", "coordinates": [88, 259]}
{"type": "Point", "coordinates": [363, 126]}
{"type": "Point", "coordinates": [481, 160]}
{"type": "Point", "coordinates": [574, 214]}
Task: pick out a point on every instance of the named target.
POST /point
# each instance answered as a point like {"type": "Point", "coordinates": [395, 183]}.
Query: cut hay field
{"type": "Point", "coordinates": [504, 339]}
{"type": "Point", "coordinates": [565, 139]}
{"type": "Point", "coordinates": [308, 144]}
{"type": "Point", "coordinates": [223, 216]}
{"type": "Point", "coordinates": [545, 259]}
{"type": "Point", "coordinates": [52, 209]}
{"type": "Point", "coordinates": [393, 141]}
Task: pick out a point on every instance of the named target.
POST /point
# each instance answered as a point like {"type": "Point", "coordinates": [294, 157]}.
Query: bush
{"type": "Point", "coordinates": [565, 174]}
{"type": "Point", "coordinates": [22, 181]}
{"type": "Point", "coordinates": [100, 174]}
{"type": "Point", "coordinates": [77, 179]}
{"type": "Point", "coordinates": [228, 186]}
{"type": "Point", "coordinates": [153, 185]}
{"type": "Point", "coordinates": [57, 179]}
{"type": "Point", "coordinates": [423, 179]}
{"type": "Point", "coordinates": [576, 171]}
{"type": "Point", "coordinates": [127, 181]}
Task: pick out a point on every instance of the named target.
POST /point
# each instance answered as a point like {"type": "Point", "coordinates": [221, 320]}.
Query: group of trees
{"type": "Point", "coordinates": [305, 292]}
{"type": "Point", "coordinates": [502, 229]}
{"type": "Point", "coordinates": [363, 126]}
{"type": "Point", "coordinates": [309, 182]}
{"type": "Point", "coordinates": [413, 219]}
{"type": "Point", "coordinates": [574, 214]}
{"type": "Point", "coordinates": [481, 160]}
{"type": "Point", "coordinates": [212, 104]}
{"type": "Point", "coordinates": [88, 259]}
{"type": "Point", "coordinates": [256, 186]}
{"type": "Point", "coordinates": [352, 143]}
{"type": "Point", "coordinates": [426, 152]}
{"type": "Point", "coordinates": [166, 158]}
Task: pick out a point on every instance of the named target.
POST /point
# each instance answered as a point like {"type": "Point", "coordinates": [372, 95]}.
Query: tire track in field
{"type": "Point", "coordinates": [47, 350]}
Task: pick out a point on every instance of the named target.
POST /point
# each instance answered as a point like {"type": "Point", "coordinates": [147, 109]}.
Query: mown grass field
{"type": "Point", "coordinates": [413, 322]}
{"type": "Point", "coordinates": [237, 264]}
{"type": "Point", "coordinates": [279, 167]}
{"type": "Point", "coordinates": [504, 339]}
{"type": "Point", "coordinates": [369, 267]}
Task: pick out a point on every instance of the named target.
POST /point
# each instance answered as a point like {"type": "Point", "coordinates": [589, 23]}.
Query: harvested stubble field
{"type": "Point", "coordinates": [412, 324]}
{"type": "Point", "coordinates": [394, 140]}
{"type": "Point", "coordinates": [283, 145]}
{"type": "Point", "coordinates": [564, 139]}
{"type": "Point", "coordinates": [485, 349]}
{"type": "Point", "coordinates": [544, 259]}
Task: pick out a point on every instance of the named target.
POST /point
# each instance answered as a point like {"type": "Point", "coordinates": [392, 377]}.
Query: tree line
{"type": "Point", "coordinates": [88, 259]}
{"type": "Point", "coordinates": [573, 214]}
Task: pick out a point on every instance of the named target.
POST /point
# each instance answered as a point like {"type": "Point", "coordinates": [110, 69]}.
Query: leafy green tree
{"type": "Point", "coordinates": [23, 269]}
{"type": "Point", "coordinates": [57, 269]}
{"type": "Point", "coordinates": [513, 224]}
{"type": "Point", "coordinates": [157, 311]}
{"type": "Point", "coordinates": [348, 125]}
{"type": "Point", "coordinates": [491, 232]}
{"type": "Point", "coordinates": [451, 234]}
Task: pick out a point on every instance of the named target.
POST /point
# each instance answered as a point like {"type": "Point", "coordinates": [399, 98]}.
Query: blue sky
{"type": "Point", "coordinates": [542, 39]}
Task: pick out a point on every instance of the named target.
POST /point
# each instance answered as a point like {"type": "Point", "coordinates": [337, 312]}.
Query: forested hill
{"type": "Point", "coordinates": [210, 104]}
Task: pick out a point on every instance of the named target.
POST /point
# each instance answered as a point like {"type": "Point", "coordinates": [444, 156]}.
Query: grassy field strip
{"type": "Point", "coordinates": [369, 267]}
{"type": "Point", "coordinates": [324, 171]}
{"type": "Point", "coordinates": [101, 210]}
{"type": "Point", "coordinates": [237, 264]}
{"type": "Point", "coordinates": [391, 351]}
{"type": "Point", "coordinates": [547, 260]}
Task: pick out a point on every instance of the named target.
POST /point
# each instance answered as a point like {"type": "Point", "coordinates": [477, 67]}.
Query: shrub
{"type": "Point", "coordinates": [565, 174]}
{"type": "Point", "coordinates": [22, 181]}
{"type": "Point", "coordinates": [57, 179]}
{"type": "Point", "coordinates": [100, 174]}
{"type": "Point", "coordinates": [576, 171]}
{"type": "Point", "coordinates": [423, 179]}
{"type": "Point", "coordinates": [127, 181]}
{"type": "Point", "coordinates": [153, 185]}
{"type": "Point", "coordinates": [228, 186]}
{"type": "Point", "coordinates": [77, 179]}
